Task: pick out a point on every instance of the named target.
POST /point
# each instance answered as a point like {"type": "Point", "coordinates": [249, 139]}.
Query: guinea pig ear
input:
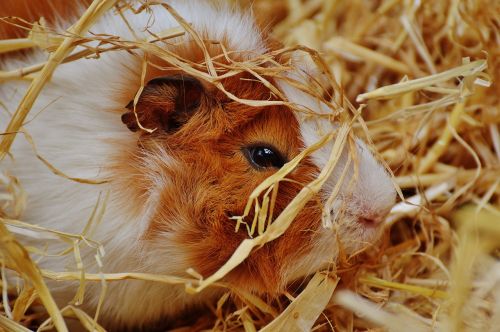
{"type": "Point", "coordinates": [165, 104]}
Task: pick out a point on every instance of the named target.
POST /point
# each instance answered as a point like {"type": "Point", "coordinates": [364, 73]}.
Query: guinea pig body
{"type": "Point", "coordinates": [168, 196]}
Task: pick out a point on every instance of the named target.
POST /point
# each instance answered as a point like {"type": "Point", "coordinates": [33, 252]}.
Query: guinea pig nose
{"type": "Point", "coordinates": [370, 221]}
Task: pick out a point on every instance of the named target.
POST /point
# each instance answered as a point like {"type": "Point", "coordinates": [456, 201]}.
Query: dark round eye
{"type": "Point", "coordinates": [264, 156]}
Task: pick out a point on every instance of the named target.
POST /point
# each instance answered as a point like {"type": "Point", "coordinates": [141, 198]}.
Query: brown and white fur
{"type": "Point", "coordinates": [171, 193]}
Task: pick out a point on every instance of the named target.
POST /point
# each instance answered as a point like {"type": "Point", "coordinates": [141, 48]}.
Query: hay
{"type": "Point", "coordinates": [427, 72]}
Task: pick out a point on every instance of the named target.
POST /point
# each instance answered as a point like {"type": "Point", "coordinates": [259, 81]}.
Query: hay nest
{"type": "Point", "coordinates": [420, 82]}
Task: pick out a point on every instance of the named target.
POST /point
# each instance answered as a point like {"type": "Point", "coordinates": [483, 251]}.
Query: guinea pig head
{"type": "Point", "coordinates": [205, 156]}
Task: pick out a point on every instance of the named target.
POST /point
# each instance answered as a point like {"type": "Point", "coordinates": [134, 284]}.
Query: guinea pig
{"type": "Point", "coordinates": [168, 195]}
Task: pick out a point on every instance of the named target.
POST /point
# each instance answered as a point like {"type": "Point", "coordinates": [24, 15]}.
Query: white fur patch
{"type": "Point", "coordinates": [371, 193]}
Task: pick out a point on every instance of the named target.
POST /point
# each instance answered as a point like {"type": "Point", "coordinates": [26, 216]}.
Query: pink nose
{"type": "Point", "coordinates": [369, 214]}
{"type": "Point", "coordinates": [372, 219]}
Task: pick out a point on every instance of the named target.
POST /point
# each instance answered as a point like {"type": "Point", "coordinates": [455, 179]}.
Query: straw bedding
{"type": "Point", "coordinates": [419, 81]}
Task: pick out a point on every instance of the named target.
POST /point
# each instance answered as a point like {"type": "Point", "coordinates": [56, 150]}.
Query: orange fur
{"type": "Point", "coordinates": [212, 181]}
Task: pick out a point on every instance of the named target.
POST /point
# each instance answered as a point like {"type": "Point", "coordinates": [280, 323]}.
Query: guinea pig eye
{"type": "Point", "coordinates": [261, 156]}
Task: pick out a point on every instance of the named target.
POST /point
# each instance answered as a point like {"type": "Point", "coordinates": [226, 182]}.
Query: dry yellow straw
{"type": "Point", "coordinates": [340, 45]}
{"type": "Point", "coordinates": [364, 308]}
{"type": "Point", "coordinates": [96, 9]}
{"type": "Point", "coordinates": [377, 282]}
{"type": "Point", "coordinates": [479, 232]}
{"type": "Point", "coordinates": [385, 92]}
{"type": "Point", "coordinates": [9, 45]}
{"type": "Point", "coordinates": [301, 314]}
{"type": "Point", "coordinates": [444, 140]}
{"type": "Point", "coordinates": [19, 258]}
{"type": "Point", "coordinates": [11, 326]}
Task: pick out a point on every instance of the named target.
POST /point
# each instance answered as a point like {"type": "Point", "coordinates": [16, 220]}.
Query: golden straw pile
{"type": "Point", "coordinates": [419, 79]}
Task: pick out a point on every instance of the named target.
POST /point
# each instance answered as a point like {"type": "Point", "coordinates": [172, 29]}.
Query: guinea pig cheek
{"type": "Point", "coordinates": [298, 252]}
{"type": "Point", "coordinates": [301, 250]}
